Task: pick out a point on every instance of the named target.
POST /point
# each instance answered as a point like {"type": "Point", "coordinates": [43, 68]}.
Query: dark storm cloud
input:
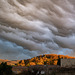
{"type": "Point", "coordinates": [36, 27]}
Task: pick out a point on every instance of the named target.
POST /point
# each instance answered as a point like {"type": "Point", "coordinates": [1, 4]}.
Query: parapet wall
{"type": "Point", "coordinates": [67, 62]}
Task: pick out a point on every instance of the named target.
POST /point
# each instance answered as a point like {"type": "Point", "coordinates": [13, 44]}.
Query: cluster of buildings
{"type": "Point", "coordinates": [67, 62]}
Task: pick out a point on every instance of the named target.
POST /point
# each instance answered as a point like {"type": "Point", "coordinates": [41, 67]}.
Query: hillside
{"type": "Point", "coordinates": [9, 62]}
{"type": "Point", "coordinates": [47, 59]}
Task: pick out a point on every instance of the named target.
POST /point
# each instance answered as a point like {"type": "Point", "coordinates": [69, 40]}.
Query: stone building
{"type": "Point", "coordinates": [67, 62]}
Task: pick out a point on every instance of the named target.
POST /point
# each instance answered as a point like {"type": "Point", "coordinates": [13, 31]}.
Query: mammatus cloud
{"type": "Point", "coordinates": [33, 27]}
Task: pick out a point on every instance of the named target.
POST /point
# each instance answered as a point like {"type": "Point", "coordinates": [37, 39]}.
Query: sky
{"type": "Point", "coordinates": [29, 28]}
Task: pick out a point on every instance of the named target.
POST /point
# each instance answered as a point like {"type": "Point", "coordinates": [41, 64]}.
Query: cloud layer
{"type": "Point", "coordinates": [33, 27]}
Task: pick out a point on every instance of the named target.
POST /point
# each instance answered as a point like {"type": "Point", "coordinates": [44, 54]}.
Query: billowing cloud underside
{"type": "Point", "coordinates": [32, 27]}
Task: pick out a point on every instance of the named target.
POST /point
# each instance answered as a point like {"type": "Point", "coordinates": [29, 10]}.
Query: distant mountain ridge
{"type": "Point", "coordinates": [9, 62]}
{"type": "Point", "coordinates": [47, 59]}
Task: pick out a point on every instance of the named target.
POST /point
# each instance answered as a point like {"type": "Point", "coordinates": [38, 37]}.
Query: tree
{"type": "Point", "coordinates": [59, 61]}
{"type": "Point", "coordinates": [5, 69]}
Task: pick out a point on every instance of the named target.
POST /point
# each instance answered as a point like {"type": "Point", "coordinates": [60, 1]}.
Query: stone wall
{"type": "Point", "coordinates": [73, 73]}
{"type": "Point", "coordinates": [67, 62]}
